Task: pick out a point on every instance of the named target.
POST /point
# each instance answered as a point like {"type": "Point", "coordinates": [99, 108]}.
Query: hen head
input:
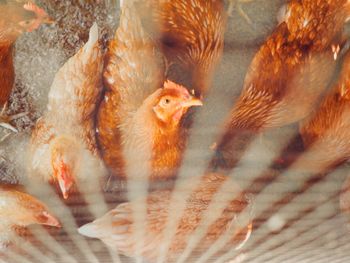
{"type": "Point", "coordinates": [22, 209]}
{"type": "Point", "coordinates": [172, 102]}
{"type": "Point", "coordinates": [39, 17]}
{"type": "Point", "coordinates": [64, 159]}
{"type": "Point", "coordinates": [19, 18]}
{"type": "Point", "coordinates": [38, 211]}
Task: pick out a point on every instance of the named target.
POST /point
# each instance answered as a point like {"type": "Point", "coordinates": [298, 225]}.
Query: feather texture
{"type": "Point", "coordinates": [132, 118]}
{"type": "Point", "coordinates": [69, 123]}
{"type": "Point", "coordinates": [133, 72]}
{"type": "Point", "coordinates": [115, 228]}
{"type": "Point", "coordinates": [290, 71]}
{"type": "Point", "coordinates": [18, 209]}
{"type": "Point", "coordinates": [326, 132]}
{"type": "Point", "coordinates": [191, 34]}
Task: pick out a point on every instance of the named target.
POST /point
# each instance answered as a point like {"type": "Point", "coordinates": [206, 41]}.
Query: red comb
{"type": "Point", "coordinates": [168, 84]}
{"type": "Point", "coordinates": [30, 6]}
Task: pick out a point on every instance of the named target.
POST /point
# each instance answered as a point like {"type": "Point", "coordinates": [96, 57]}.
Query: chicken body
{"type": "Point", "coordinates": [290, 71]}
{"type": "Point", "coordinates": [63, 145]}
{"type": "Point", "coordinates": [15, 19]}
{"type": "Point", "coordinates": [18, 209]}
{"type": "Point", "coordinates": [7, 74]}
{"type": "Point", "coordinates": [191, 34]}
{"type": "Point", "coordinates": [140, 111]}
{"type": "Point", "coordinates": [326, 133]}
{"type": "Point", "coordinates": [115, 228]}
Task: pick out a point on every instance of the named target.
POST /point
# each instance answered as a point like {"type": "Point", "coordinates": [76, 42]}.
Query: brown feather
{"type": "Point", "coordinates": [67, 129]}
{"type": "Point", "coordinates": [326, 133]}
{"type": "Point", "coordinates": [116, 228]}
{"type": "Point", "coordinates": [191, 34]}
{"type": "Point", "coordinates": [134, 70]}
{"type": "Point", "coordinates": [19, 210]}
{"type": "Point", "coordinates": [7, 74]}
{"type": "Point", "coordinates": [290, 71]}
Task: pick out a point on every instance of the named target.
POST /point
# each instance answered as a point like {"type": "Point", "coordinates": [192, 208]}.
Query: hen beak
{"type": "Point", "coordinates": [50, 220]}
{"type": "Point", "coordinates": [48, 20]}
{"type": "Point", "coordinates": [89, 230]}
{"type": "Point", "coordinates": [64, 178]}
{"type": "Point", "coordinates": [192, 102]}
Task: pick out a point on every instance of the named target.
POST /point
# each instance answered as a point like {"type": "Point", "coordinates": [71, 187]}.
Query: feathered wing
{"type": "Point", "coordinates": [8, 36]}
{"type": "Point", "coordinates": [7, 74]}
{"type": "Point", "coordinates": [191, 34]}
{"type": "Point", "coordinates": [326, 132]}
{"type": "Point", "coordinates": [134, 70]}
{"type": "Point", "coordinates": [72, 105]}
{"type": "Point", "coordinates": [326, 138]}
{"type": "Point", "coordinates": [292, 68]}
{"type": "Point", "coordinates": [116, 227]}
{"type": "Point", "coordinates": [133, 64]}
{"type": "Point", "coordinates": [286, 96]}
{"type": "Point", "coordinates": [76, 90]}
{"type": "Point", "coordinates": [287, 76]}
{"type": "Point", "coordinates": [39, 154]}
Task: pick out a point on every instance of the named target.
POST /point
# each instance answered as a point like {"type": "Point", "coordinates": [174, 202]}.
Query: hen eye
{"type": "Point", "coordinates": [24, 23]}
{"type": "Point", "coordinates": [165, 102]}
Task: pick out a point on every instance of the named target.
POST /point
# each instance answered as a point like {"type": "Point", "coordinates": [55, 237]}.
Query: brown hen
{"type": "Point", "coordinates": [19, 209]}
{"type": "Point", "coordinates": [288, 74]}
{"type": "Point", "coordinates": [15, 19]}
{"type": "Point", "coordinates": [116, 227]}
{"type": "Point", "coordinates": [63, 145]}
{"type": "Point", "coordinates": [191, 34]}
{"type": "Point", "coordinates": [140, 110]}
{"type": "Point", "coordinates": [326, 133]}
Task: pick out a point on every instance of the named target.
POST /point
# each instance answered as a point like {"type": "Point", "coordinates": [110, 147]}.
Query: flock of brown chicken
{"type": "Point", "coordinates": [108, 110]}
